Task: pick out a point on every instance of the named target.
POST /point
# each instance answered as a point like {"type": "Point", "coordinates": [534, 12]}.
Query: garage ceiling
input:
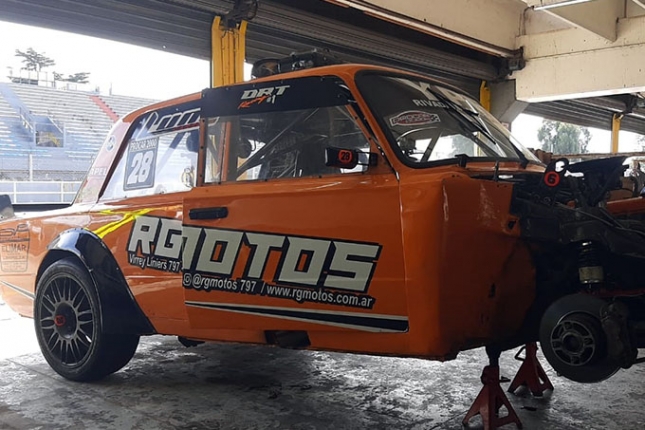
{"type": "Point", "coordinates": [280, 27]}
{"type": "Point", "coordinates": [284, 26]}
{"type": "Point", "coordinates": [593, 112]}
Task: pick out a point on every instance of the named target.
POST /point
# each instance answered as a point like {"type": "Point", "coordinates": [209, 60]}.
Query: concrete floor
{"type": "Point", "coordinates": [219, 386]}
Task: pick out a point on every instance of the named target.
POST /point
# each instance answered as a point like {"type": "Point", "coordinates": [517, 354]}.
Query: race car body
{"type": "Point", "coordinates": [349, 208]}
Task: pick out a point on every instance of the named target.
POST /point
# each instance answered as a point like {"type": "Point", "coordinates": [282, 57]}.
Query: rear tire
{"type": "Point", "coordinates": [67, 319]}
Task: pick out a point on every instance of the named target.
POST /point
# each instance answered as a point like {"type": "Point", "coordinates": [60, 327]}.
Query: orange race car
{"type": "Point", "coordinates": [343, 207]}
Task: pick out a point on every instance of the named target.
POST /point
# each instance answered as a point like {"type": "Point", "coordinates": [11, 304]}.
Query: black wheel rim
{"type": "Point", "coordinates": [66, 321]}
{"type": "Point", "coordinates": [575, 342]}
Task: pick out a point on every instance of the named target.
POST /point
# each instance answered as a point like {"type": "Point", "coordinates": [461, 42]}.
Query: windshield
{"type": "Point", "coordinates": [428, 124]}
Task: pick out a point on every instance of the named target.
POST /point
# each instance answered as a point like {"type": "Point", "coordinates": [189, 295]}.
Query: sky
{"type": "Point", "coordinates": [142, 72]}
{"type": "Point", "coordinates": [130, 70]}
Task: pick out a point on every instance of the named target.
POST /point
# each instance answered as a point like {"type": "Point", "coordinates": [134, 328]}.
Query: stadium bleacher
{"type": "Point", "coordinates": [81, 120]}
{"type": "Point", "coordinates": [121, 105]}
{"type": "Point", "coordinates": [8, 119]}
{"type": "Point", "coordinates": [11, 140]}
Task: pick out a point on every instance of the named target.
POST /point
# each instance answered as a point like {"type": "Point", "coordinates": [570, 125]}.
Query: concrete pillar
{"type": "Point", "coordinates": [504, 105]}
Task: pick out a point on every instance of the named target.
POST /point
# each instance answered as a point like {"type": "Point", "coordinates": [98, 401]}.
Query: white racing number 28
{"type": "Point", "coordinates": [140, 167]}
{"type": "Point", "coordinates": [140, 164]}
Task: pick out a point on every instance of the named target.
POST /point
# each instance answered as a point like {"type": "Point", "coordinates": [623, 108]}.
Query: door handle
{"type": "Point", "coordinates": [208, 213]}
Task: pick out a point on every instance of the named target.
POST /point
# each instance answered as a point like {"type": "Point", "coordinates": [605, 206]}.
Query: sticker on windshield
{"type": "Point", "coordinates": [141, 162]}
{"type": "Point", "coordinates": [414, 117]}
{"type": "Point", "coordinates": [429, 103]}
{"type": "Point", "coordinates": [261, 95]}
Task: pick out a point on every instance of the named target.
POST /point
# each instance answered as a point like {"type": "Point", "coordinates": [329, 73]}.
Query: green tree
{"type": "Point", "coordinates": [34, 60]}
{"type": "Point", "coordinates": [641, 142]}
{"type": "Point", "coordinates": [80, 78]}
{"type": "Point", "coordinates": [462, 145]}
{"type": "Point", "coordinates": [563, 138]}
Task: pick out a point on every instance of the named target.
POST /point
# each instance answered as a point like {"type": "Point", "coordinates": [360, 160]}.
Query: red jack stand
{"type": "Point", "coordinates": [491, 398]}
{"type": "Point", "coordinates": [531, 373]}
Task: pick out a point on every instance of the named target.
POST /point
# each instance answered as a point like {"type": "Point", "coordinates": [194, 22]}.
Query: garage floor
{"type": "Point", "coordinates": [219, 386]}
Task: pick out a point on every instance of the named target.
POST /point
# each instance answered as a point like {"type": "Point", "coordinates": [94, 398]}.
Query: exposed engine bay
{"type": "Point", "coordinates": [588, 250]}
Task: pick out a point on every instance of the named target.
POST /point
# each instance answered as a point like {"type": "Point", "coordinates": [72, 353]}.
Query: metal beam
{"type": "Point", "coordinates": [585, 114]}
{"type": "Point", "coordinates": [489, 26]}
{"type": "Point", "coordinates": [551, 4]}
{"type": "Point", "coordinates": [595, 156]}
{"type": "Point", "coordinates": [598, 16]}
{"type": "Point", "coordinates": [640, 3]}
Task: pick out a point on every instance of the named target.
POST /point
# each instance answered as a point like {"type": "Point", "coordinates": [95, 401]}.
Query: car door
{"type": "Point", "coordinates": [277, 239]}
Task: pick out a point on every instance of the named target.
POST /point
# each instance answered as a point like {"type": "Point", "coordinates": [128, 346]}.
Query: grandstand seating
{"type": "Point", "coordinates": [73, 111]}
{"type": "Point", "coordinates": [8, 117]}
{"type": "Point", "coordinates": [121, 105]}
{"type": "Point", "coordinates": [82, 120]}
{"type": "Point", "coordinates": [12, 140]}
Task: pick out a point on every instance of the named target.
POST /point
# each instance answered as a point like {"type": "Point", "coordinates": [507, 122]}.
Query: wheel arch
{"type": "Point", "coordinates": [120, 311]}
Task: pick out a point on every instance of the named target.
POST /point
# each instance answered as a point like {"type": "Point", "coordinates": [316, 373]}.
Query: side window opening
{"type": "Point", "coordinates": [277, 145]}
{"type": "Point", "coordinates": [160, 156]}
{"type": "Point", "coordinates": [177, 164]}
{"type": "Point", "coordinates": [216, 131]}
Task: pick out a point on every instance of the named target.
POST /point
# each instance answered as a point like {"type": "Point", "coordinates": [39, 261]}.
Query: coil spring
{"type": "Point", "coordinates": [590, 270]}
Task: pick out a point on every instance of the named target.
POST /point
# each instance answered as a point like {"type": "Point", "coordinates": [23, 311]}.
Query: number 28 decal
{"type": "Point", "coordinates": [141, 162]}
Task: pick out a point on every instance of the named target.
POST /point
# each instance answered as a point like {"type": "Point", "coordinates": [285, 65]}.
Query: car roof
{"type": "Point", "coordinates": [338, 69]}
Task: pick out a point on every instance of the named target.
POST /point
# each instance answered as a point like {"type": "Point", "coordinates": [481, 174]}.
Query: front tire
{"type": "Point", "coordinates": [67, 319]}
{"type": "Point", "coordinates": [573, 340]}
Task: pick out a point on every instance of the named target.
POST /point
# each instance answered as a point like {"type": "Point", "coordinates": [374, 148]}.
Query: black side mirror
{"type": "Point", "coordinates": [6, 209]}
{"type": "Point", "coordinates": [348, 158]}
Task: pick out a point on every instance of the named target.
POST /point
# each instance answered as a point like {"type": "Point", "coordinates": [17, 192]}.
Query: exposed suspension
{"type": "Point", "coordinates": [590, 269]}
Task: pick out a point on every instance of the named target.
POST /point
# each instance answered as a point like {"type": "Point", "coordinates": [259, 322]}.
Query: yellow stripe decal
{"type": "Point", "coordinates": [128, 217]}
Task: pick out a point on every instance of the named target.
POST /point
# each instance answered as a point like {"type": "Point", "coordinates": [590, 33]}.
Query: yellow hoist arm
{"type": "Point", "coordinates": [615, 131]}
{"type": "Point", "coordinates": [484, 95]}
{"type": "Point", "coordinates": [228, 43]}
